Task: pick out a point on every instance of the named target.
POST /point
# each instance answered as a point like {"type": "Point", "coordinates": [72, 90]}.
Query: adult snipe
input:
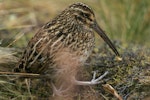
{"type": "Point", "coordinates": [62, 44]}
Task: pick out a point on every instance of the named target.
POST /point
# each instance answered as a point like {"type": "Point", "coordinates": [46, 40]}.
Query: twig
{"type": "Point", "coordinates": [25, 75]}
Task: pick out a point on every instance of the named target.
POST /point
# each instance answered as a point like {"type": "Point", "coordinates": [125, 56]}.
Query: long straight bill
{"type": "Point", "coordinates": [105, 38]}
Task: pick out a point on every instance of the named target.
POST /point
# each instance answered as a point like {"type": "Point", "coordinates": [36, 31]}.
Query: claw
{"type": "Point", "coordinates": [92, 82]}
{"type": "Point", "coordinates": [56, 91]}
{"type": "Point", "coordinates": [60, 91]}
{"type": "Point", "coordinates": [94, 75]}
{"type": "Point", "coordinates": [99, 78]}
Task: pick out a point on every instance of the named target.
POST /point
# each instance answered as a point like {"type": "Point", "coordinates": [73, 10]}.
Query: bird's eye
{"type": "Point", "coordinates": [86, 15]}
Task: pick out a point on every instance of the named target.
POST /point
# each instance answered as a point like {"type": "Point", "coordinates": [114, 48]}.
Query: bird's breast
{"type": "Point", "coordinates": [84, 46]}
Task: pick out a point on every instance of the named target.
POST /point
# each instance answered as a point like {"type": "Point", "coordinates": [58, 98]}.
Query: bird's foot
{"type": "Point", "coordinates": [60, 91]}
{"type": "Point", "coordinates": [92, 82]}
{"type": "Point", "coordinates": [56, 91]}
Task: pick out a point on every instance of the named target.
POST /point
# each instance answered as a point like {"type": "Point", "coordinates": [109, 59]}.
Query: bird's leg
{"type": "Point", "coordinates": [92, 82]}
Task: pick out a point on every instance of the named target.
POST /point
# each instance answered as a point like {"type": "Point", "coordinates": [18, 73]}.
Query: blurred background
{"type": "Point", "coordinates": [125, 21]}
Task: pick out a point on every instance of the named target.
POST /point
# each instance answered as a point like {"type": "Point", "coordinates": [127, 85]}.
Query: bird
{"type": "Point", "coordinates": [63, 43]}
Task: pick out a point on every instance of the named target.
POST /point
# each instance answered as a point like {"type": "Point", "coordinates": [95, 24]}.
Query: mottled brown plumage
{"type": "Point", "coordinates": [71, 31]}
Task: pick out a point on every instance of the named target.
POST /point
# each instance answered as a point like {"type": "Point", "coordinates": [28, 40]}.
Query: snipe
{"type": "Point", "coordinates": [68, 38]}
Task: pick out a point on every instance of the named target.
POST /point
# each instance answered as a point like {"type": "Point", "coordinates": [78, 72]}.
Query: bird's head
{"type": "Point", "coordinates": [84, 16]}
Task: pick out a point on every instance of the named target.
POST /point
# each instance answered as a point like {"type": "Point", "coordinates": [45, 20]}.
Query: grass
{"type": "Point", "coordinates": [125, 21]}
